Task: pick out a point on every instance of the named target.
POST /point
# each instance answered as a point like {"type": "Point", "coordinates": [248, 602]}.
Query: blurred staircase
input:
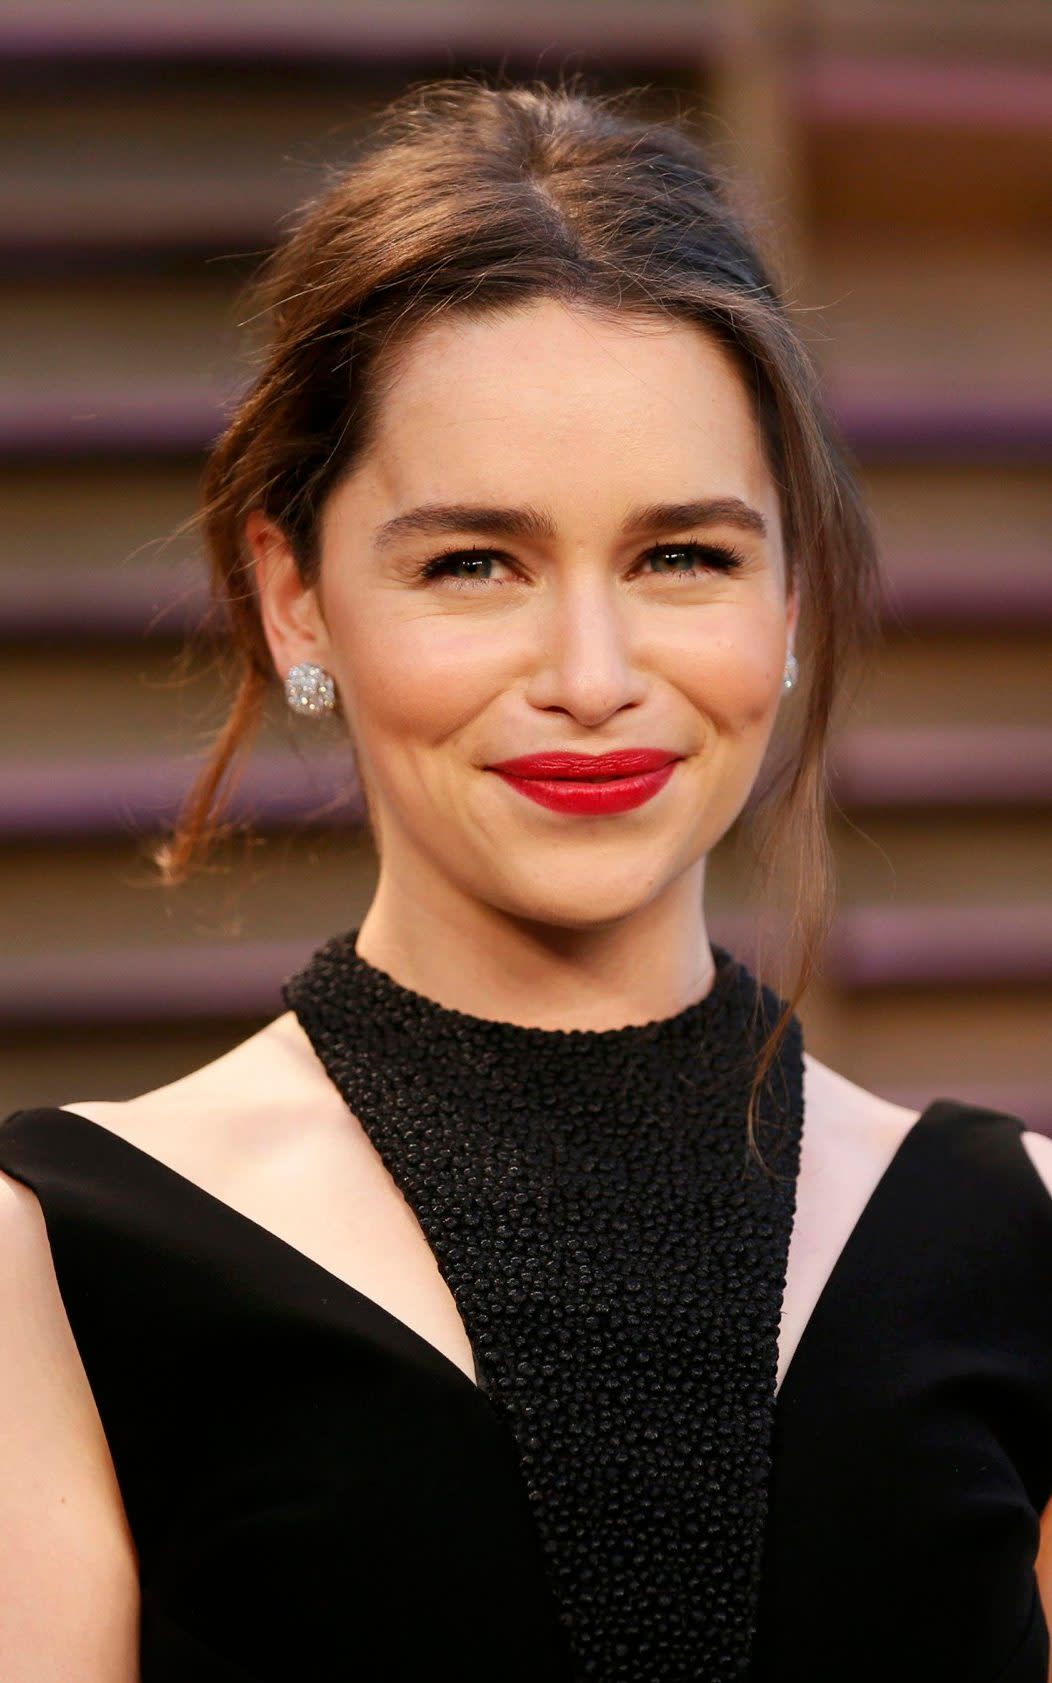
{"type": "Point", "coordinates": [153, 154]}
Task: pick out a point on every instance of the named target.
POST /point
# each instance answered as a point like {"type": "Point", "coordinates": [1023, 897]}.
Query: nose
{"type": "Point", "coordinates": [583, 659]}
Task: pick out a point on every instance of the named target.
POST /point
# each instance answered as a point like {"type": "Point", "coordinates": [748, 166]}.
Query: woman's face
{"type": "Point", "coordinates": [570, 616]}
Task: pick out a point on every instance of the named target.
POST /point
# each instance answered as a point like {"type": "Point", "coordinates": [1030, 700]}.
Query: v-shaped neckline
{"type": "Point", "coordinates": [423, 1346]}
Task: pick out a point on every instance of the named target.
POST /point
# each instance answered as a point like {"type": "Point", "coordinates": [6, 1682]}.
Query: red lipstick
{"type": "Point", "coordinates": [590, 784]}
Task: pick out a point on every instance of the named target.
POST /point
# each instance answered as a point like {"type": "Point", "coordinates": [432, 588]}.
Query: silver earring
{"type": "Point", "coordinates": [792, 671]}
{"type": "Point", "coordinates": [310, 690]}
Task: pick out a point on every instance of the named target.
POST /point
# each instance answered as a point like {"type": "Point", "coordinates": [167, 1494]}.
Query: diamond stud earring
{"type": "Point", "coordinates": [792, 671]}
{"type": "Point", "coordinates": [310, 690]}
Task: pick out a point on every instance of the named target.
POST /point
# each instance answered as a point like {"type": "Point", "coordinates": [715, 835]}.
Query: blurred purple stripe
{"type": "Point", "coordinates": [942, 592]}
{"type": "Point", "coordinates": [885, 946]}
{"type": "Point", "coordinates": [78, 798]}
{"type": "Point", "coordinates": [71, 602]}
{"type": "Point", "coordinates": [887, 89]}
{"type": "Point", "coordinates": [1016, 424]}
{"type": "Point", "coordinates": [157, 420]}
{"type": "Point", "coordinates": [149, 984]}
{"type": "Point", "coordinates": [985, 765]}
{"type": "Point", "coordinates": [870, 947]}
{"type": "Point", "coordinates": [659, 32]}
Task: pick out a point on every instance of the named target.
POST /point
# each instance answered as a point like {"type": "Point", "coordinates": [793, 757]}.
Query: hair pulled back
{"type": "Point", "coordinates": [471, 197]}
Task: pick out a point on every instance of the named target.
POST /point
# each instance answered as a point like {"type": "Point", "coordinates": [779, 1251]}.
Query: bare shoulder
{"type": "Point", "coordinates": [1040, 1148]}
{"type": "Point", "coordinates": [264, 1130]}
{"type": "Point", "coordinates": [850, 1136]}
{"type": "Point", "coordinates": [69, 1567]}
{"type": "Point", "coordinates": [841, 1116]}
{"type": "Point", "coordinates": [852, 1133]}
{"type": "Point", "coordinates": [266, 1097]}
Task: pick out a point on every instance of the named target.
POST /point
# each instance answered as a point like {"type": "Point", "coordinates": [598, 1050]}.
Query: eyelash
{"type": "Point", "coordinates": [721, 558]}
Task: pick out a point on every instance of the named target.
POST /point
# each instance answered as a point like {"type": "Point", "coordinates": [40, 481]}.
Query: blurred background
{"type": "Point", "coordinates": [896, 154]}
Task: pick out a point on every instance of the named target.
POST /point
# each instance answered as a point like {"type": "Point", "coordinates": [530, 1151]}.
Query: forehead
{"type": "Point", "coordinates": [494, 404]}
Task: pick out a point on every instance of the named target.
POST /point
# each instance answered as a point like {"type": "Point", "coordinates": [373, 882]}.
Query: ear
{"type": "Point", "coordinates": [289, 609]}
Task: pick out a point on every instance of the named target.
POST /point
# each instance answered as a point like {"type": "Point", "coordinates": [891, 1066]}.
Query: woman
{"type": "Point", "coordinates": [523, 1301]}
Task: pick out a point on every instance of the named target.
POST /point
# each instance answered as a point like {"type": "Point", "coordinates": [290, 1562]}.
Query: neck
{"type": "Point", "coordinates": [476, 958]}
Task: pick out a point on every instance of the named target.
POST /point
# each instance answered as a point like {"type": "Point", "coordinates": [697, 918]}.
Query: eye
{"type": "Point", "coordinates": [702, 557]}
{"type": "Point", "coordinates": [441, 567]}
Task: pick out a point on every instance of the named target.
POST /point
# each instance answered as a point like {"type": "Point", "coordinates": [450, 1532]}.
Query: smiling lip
{"type": "Point", "coordinates": [590, 784]}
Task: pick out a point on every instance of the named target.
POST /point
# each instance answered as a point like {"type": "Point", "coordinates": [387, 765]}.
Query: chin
{"type": "Point", "coordinates": [581, 902]}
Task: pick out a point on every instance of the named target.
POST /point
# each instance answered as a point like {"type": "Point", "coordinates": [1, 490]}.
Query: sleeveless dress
{"type": "Point", "coordinates": [315, 1491]}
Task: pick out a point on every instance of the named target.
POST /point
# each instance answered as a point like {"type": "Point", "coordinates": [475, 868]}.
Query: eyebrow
{"type": "Point", "coordinates": [433, 519]}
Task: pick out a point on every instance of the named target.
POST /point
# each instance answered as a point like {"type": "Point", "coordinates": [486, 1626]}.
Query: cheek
{"type": "Point", "coordinates": [415, 678]}
{"type": "Point", "coordinates": [734, 674]}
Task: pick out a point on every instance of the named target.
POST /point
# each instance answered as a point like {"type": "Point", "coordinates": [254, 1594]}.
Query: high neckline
{"type": "Point", "coordinates": [378, 989]}
{"type": "Point", "coordinates": [617, 1259]}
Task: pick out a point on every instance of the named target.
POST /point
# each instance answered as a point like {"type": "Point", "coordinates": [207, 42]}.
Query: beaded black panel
{"type": "Point", "coordinates": [618, 1261]}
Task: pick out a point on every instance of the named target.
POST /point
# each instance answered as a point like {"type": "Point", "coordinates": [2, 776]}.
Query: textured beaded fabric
{"type": "Point", "coordinates": [618, 1261]}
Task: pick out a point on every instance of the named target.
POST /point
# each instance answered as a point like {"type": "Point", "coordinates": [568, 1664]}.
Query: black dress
{"type": "Point", "coordinates": [316, 1492]}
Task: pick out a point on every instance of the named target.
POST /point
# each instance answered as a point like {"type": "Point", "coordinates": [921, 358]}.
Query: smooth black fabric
{"type": "Point", "coordinates": [317, 1493]}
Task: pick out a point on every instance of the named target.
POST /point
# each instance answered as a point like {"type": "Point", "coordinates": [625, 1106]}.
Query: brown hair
{"type": "Point", "coordinates": [473, 197]}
